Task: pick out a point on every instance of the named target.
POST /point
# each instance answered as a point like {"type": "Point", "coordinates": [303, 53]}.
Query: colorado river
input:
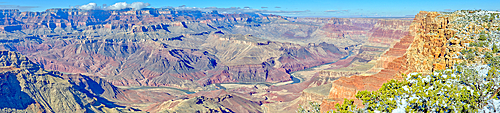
{"type": "Point", "coordinates": [293, 76]}
{"type": "Point", "coordinates": [296, 79]}
{"type": "Point", "coordinates": [151, 87]}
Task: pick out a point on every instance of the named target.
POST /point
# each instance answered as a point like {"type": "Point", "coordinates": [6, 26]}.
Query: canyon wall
{"type": "Point", "coordinates": [393, 62]}
{"type": "Point", "coordinates": [434, 42]}
{"type": "Point", "coordinates": [134, 58]}
{"type": "Point", "coordinates": [184, 49]}
{"type": "Point", "coordinates": [26, 87]}
{"type": "Point", "coordinates": [158, 47]}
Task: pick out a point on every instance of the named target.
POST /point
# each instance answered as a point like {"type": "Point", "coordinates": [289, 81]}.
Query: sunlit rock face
{"type": "Point", "coordinates": [434, 42]}
{"type": "Point", "coordinates": [26, 87]}
{"type": "Point", "coordinates": [195, 51]}
{"type": "Point", "coordinates": [390, 65]}
{"type": "Point", "coordinates": [166, 47]}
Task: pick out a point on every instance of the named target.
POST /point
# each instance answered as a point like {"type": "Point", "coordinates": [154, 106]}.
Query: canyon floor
{"type": "Point", "coordinates": [167, 60]}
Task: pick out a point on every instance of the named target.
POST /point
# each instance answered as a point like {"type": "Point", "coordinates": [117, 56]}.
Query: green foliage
{"type": "Point", "coordinates": [383, 99]}
{"type": "Point", "coordinates": [495, 48]}
{"type": "Point", "coordinates": [460, 90]}
{"type": "Point", "coordinates": [470, 56]}
{"type": "Point", "coordinates": [482, 86]}
{"type": "Point", "coordinates": [473, 44]}
{"type": "Point", "coordinates": [428, 94]}
{"type": "Point", "coordinates": [479, 44]}
{"type": "Point", "coordinates": [482, 37]}
{"type": "Point", "coordinates": [463, 51]}
{"type": "Point", "coordinates": [487, 57]}
{"type": "Point", "coordinates": [494, 62]}
{"type": "Point", "coordinates": [465, 87]}
{"type": "Point", "coordinates": [315, 108]}
{"type": "Point", "coordinates": [347, 107]}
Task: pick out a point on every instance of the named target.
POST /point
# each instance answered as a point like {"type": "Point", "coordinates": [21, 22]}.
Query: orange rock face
{"type": "Point", "coordinates": [393, 62]}
{"type": "Point", "coordinates": [425, 48]}
{"type": "Point", "coordinates": [387, 30]}
{"type": "Point", "coordinates": [433, 49]}
{"type": "Point", "coordinates": [188, 51]}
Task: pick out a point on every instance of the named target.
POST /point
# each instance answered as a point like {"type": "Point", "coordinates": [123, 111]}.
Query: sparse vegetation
{"type": "Point", "coordinates": [464, 87]}
{"type": "Point", "coordinates": [482, 37]}
{"type": "Point", "coordinates": [495, 48]}
{"type": "Point", "coordinates": [315, 108]}
{"type": "Point", "coordinates": [347, 107]}
{"type": "Point", "coordinates": [460, 90]}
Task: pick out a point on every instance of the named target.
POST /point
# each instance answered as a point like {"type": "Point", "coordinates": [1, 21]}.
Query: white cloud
{"type": "Point", "coordinates": [337, 11]}
{"type": "Point", "coordinates": [239, 10]}
{"type": "Point", "coordinates": [116, 6]}
{"type": "Point", "coordinates": [138, 5]}
{"type": "Point", "coordinates": [90, 6]}
{"type": "Point", "coordinates": [331, 11]}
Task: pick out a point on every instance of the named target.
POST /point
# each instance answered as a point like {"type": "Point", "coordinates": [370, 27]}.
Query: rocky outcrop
{"type": "Point", "coordinates": [315, 94]}
{"type": "Point", "coordinates": [342, 32]}
{"type": "Point", "coordinates": [434, 42]}
{"type": "Point", "coordinates": [25, 87]}
{"type": "Point", "coordinates": [159, 47]}
{"type": "Point", "coordinates": [392, 63]}
{"type": "Point", "coordinates": [433, 49]}
{"type": "Point", "coordinates": [110, 19]}
{"type": "Point", "coordinates": [224, 103]}
{"type": "Point", "coordinates": [385, 30]}
{"type": "Point", "coordinates": [195, 51]}
{"type": "Point", "coordinates": [339, 74]}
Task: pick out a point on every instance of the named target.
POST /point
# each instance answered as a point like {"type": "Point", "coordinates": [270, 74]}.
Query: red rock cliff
{"type": "Point", "coordinates": [431, 44]}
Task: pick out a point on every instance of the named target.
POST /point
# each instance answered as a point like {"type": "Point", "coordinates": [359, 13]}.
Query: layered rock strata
{"type": "Point", "coordinates": [434, 42]}
{"type": "Point", "coordinates": [183, 49]}
{"type": "Point", "coordinates": [197, 51]}
{"type": "Point", "coordinates": [25, 87]}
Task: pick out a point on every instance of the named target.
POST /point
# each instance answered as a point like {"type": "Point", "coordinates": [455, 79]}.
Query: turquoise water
{"type": "Point", "coordinates": [151, 87]}
{"type": "Point", "coordinates": [294, 79]}
{"type": "Point", "coordinates": [298, 80]}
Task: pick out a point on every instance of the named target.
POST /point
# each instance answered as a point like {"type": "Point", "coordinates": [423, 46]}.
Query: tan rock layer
{"type": "Point", "coordinates": [114, 19]}
{"type": "Point", "coordinates": [427, 47]}
{"type": "Point", "coordinates": [339, 73]}
{"type": "Point", "coordinates": [394, 61]}
{"type": "Point", "coordinates": [430, 50]}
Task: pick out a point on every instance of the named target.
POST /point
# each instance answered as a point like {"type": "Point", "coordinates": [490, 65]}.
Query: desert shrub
{"type": "Point", "coordinates": [482, 37]}
{"type": "Point", "coordinates": [315, 108]}
{"type": "Point", "coordinates": [494, 48]}
{"type": "Point", "coordinates": [465, 89]}
{"type": "Point", "coordinates": [348, 106]}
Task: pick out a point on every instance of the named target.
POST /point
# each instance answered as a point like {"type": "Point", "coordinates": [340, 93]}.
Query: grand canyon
{"type": "Point", "coordinates": [169, 60]}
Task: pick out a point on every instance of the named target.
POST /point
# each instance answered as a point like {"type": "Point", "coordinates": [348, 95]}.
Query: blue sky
{"type": "Point", "coordinates": [318, 8]}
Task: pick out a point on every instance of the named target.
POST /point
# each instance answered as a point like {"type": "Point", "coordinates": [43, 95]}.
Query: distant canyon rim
{"type": "Point", "coordinates": [167, 60]}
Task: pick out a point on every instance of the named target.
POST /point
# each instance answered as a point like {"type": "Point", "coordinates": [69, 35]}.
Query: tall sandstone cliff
{"type": "Point", "coordinates": [431, 44]}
